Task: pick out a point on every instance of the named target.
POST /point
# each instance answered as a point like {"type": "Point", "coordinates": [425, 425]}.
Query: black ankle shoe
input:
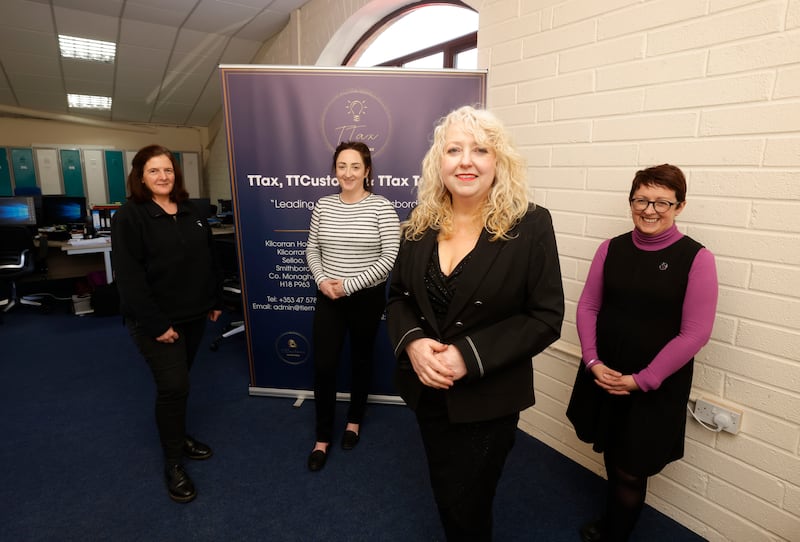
{"type": "Point", "coordinates": [194, 449]}
{"type": "Point", "coordinates": [349, 440]}
{"type": "Point", "coordinates": [317, 460]}
{"type": "Point", "coordinates": [592, 531]}
{"type": "Point", "coordinates": [179, 485]}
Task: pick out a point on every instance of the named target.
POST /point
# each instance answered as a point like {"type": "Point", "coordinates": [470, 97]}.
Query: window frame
{"type": "Point", "coordinates": [450, 48]}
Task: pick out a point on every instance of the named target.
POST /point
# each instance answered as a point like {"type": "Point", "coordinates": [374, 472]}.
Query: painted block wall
{"type": "Point", "coordinates": [597, 90]}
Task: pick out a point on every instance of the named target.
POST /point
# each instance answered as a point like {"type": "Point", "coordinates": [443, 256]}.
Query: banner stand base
{"type": "Point", "coordinates": [301, 395]}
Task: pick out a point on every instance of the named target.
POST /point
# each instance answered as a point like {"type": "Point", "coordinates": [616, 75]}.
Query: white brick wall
{"type": "Point", "coordinates": [713, 87]}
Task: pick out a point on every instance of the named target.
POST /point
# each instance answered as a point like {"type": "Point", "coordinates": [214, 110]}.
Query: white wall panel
{"type": "Point", "coordinates": [97, 192]}
{"type": "Point", "coordinates": [48, 171]}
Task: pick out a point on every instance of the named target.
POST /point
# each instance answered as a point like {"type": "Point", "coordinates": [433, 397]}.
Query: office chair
{"type": "Point", "coordinates": [17, 259]}
{"type": "Point", "coordinates": [231, 287]}
{"type": "Point", "coordinates": [232, 294]}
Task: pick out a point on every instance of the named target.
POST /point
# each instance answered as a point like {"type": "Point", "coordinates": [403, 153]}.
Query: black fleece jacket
{"type": "Point", "coordinates": [165, 267]}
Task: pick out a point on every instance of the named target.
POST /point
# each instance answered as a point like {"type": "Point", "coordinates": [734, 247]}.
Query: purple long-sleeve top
{"type": "Point", "coordinates": [697, 320]}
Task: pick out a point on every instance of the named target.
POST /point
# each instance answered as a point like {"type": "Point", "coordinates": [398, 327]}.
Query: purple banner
{"type": "Point", "coordinates": [283, 124]}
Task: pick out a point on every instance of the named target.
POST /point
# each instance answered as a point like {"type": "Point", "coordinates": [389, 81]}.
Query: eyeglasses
{"type": "Point", "coordinates": [660, 206]}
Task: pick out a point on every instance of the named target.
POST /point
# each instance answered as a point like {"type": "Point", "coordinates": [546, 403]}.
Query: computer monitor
{"type": "Point", "coordinates": [17, 211]}
{"type": "Point", "coordinates": [203, 205]}
{"type": "Point", "coordinates": [63, 210]}
{"type": "Point", "coordinates": [102, 215]}
{"type": "Point", "coordinates": [224, 206]}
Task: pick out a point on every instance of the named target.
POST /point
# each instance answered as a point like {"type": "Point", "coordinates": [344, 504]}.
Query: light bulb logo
{"type": "Point", "coordinates": [357, 115]}
{"type": "Point", "coordinates": [356, 108]}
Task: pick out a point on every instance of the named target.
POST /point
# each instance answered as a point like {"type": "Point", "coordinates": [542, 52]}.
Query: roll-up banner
{"type": "Point", "coordinates": [283, 124]}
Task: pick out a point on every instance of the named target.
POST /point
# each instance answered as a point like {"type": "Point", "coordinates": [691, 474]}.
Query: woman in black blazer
{"type": "Point", "coordinates": [475, 293]}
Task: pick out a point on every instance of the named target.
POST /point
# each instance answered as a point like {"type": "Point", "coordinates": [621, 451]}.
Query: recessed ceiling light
{"type": "Point", "coordinates": [85, 49]}
{"type": "Point", "coordinates": [83, 101]}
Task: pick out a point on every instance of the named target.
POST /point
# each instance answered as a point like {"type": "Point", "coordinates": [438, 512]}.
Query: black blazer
{"type": "Point", "coordinates": [508, 307]}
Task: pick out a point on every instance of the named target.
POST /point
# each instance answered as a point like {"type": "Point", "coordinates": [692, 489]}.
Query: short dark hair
{"type": "Point", "coordinates": [138, 190]}
{"type": "Point", "coordinates": [366, 157]}
{"type": "Point", "coordinates": [666, 175]}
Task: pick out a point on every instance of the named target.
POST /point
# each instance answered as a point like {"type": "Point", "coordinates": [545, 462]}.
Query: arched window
{"type": "Point", "coordinates": [422, 35]}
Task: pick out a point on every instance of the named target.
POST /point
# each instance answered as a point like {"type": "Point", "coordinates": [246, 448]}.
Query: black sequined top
{"type": "Point", "coordinates": [440, 287]}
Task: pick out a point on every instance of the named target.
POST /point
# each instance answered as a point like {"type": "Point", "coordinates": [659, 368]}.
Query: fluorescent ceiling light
{"type": "Point", "coordinates": [85, 49]}
{"type": "Point", "coordinates": [83, 101]}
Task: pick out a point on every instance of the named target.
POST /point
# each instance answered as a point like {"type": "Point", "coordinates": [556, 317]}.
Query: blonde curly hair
{"type": "Point", "coordinates": [507, 201]}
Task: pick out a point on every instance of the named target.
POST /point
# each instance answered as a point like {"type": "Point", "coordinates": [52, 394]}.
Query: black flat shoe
{"type": "Point", "coordinates": [194, 449]}
{"type": "Point", "coordinates": [179, 485]}
{"type": "Point", "coordinates": [349, 440]}
{"type": "Point", "coordinates": [592, 531]}
{"type": "Point", "coordinates": [317, 460]}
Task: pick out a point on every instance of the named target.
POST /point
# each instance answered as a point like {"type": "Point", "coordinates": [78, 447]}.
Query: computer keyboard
{"type": "Point", "coordinates": [96, 241]}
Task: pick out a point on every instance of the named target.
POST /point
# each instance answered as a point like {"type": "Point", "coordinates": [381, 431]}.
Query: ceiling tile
{"type": "Point", "coordinates": [26, 15]}
{"type": "Point", "coordinates": [26, 41]}
{"type": "Point", "coordinates": [102, 7]}
{"type": "Point", "coordinates": [184, 63]}
{"type": "Point", "coordinates": [23, 82]}
{"type": "Point", "coordinates": [219, 17]}
{"type": "Point", "coordinates": [138, 83]}
{"type": "Point", "coordinates": [130, 58]}
{"type": "Point", "coordinates": [31, 64]}
{"type": "Point", "coordinates": [283, 6]}
{"type": "Point", "coordinates": [143, 34]}
{"type": "Point", "coordinates": [184, 87]}
{"type": "Point", "coordinates": [86, 25]}
{"type": "Point", "coordinates": [129, 111]}
{"type": "Point", "coordinates": [90, 88]}
{"type": "Point", "coordinates": [44, 100]}
{"type": "Point", "coordinates": [6, 97]}
{"type": "Point", "coordinates": [89, 71]}
{"type": "Point", "coordinates": [172, 13]}
{"type": "Point", "coordinates": [202, 43]}
{"type": "Point", "coordinates": [94, 113]}
{"type": "Point", "coordinates": [171, 113]}
{"type": "Point", "coordinates": [267, 23]}
{"type": "Point", "coordinates": [240, 51]}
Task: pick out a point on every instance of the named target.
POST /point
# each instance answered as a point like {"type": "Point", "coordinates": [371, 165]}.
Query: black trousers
{"type": "Point", "coordinates": [359, 315]}
{"type": "Point", "coordinates": [170, 364]}
{"type": "Point", "coordinates": [465, 461]}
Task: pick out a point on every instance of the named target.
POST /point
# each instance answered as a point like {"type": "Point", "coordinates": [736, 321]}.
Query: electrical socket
{"type": "Point", "coordinates": [706, 409]}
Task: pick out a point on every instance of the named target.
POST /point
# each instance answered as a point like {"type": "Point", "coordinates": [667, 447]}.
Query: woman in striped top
{"type": "Point", "coordinates": [352, 243]}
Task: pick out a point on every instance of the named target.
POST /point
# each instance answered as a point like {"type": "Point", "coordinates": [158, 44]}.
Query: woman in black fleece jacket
{"type": "Point", "coordinates": [169, 283]}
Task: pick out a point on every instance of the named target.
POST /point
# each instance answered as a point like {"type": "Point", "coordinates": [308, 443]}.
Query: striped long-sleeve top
{"type": "Point", "coordinates": [356, 242]}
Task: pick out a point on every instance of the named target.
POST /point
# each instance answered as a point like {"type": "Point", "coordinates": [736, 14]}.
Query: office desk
{"type": "Point", "coordinates": [63, 260]}
{"type": "Point", "coordinates": [226, 229]}
{"type": "Point", "coordinates": [102, 245]}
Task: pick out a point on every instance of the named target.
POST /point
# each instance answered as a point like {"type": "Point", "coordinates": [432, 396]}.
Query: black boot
{"type": "Point", "coordinates": [179, 485]}
{"type": "Point", "coordinates": [194, 449]}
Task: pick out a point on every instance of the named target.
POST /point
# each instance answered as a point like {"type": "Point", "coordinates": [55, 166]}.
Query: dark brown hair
{"type": "Point", "coordinates": [138, 190]}
{"type": "Point", "coordinates": [665, 175]}
{"type": "Point", "coordinates": [366, 157]}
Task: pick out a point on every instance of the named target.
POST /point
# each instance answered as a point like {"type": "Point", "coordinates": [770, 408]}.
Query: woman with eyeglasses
{"type": "Point", "coordinates": [647, 308]}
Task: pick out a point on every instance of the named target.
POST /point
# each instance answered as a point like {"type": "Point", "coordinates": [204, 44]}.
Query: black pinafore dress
{"type": "Point", "coordinates": [643, 295]}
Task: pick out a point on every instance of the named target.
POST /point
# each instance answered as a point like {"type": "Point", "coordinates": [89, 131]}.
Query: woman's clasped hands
{"type": "Point", "coordinates": [613, 381]}
{"type": "Point", "coordinates": [332, 288]}
{"type": "Point", "coordinates": [437, 365]}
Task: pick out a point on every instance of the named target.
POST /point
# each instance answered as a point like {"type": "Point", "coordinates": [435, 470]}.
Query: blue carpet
{"type": "Point", "coordinates": [81, 461]}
